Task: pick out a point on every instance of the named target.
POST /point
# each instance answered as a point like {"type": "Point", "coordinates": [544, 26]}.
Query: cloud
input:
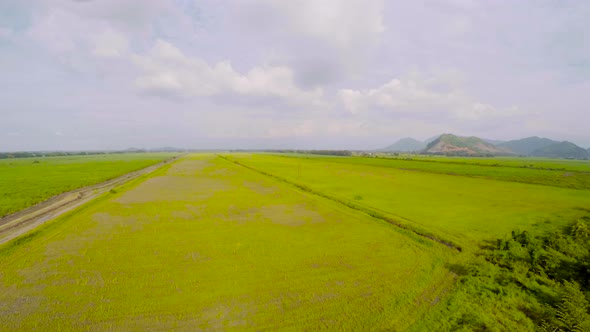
{"type": "Point", "coordinates": [167, 71]}
{"type": "Point", "coordinates": [6, 33]}
{"type": "Point", "coordinates": [324, 41]}
{"type": "Point", "coordinates": [331, 71]}
{"type": "Point", "coordinates": [109, 43]}
{"type": "Point", "coordinates": [129, 15]}
{"type": "Point", "coordinates": [438, 98]}
{"type": "Point", "coordinates": [74, 31]}
{"type": "Point", "coordinates": [343, 24]}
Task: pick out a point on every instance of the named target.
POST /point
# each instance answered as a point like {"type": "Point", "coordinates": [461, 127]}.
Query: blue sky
{"type": "Point", "coordinates": [110, 74]}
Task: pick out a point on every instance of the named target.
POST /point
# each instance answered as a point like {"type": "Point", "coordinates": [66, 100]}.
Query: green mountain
{"type": "Point", "coordinates": [405, 145]}
{"type": "Point", "coordinates": [449, 144]}
{"type": "Point", "coordinates": [526, 146]}
{"type": "Point", "coordinates": [431, 139]}
{"type": "Point", "coordinates": [562, 150]}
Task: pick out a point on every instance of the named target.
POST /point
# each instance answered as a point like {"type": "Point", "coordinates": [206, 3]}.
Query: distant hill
{"type": "Point", "coordinates": [562, 150]}
{"type": "Point", "coordinates": [132, 149]}
{"type": "Point", "coordinates": [450, 144]}
{"type": "Point", "coordinates": [431, 139]}
{"type": "Point", "coordinates": [491, 141]}
{"type": "Point", "coordinates": [496, 142]}
{"type": "Point", "coordinates": [405, 145]}
{"type": "Point", "coordinates": [526, 146]}
{"type": "Point", "coordinates": [167, 149]}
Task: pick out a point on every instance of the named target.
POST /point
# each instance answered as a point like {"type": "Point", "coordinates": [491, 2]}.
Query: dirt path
{"type": "Point", "coordinates": [21, 222]}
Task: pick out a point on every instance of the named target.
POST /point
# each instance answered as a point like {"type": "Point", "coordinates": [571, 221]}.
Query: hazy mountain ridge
{"type": "Point", "coordinates": [407, 144]}
{"type": "Point", "coordinates": [563, 149]}
{"type": "Point", "coordinates": [545, 147]}
{"type": "Point", "coordinates": [449, 144]}
{"type": "Point", "coordinates": [526, 146]}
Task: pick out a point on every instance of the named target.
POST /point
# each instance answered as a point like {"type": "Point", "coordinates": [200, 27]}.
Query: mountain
{"type": "Point", "coordinates": [526, 146]}
{"type": "Point", "coordinates": [496, 142]}
{"type": "Point", "coordinates": [450, 144]}
{"type": "Point", "coordinates": [562, 150]}
{"type": "Point", "coordinates": [431, 139]}
{"type": "Point", "coordinates": [405, 145]}
{"type": "Point", "coordinates": [132, 149]}
{"type": "Point", "coordinates": [167, 149]}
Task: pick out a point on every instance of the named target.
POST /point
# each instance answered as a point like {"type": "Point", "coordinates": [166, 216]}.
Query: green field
{"type": "Point", "coordinates": [295, 242]}
{"type": "Point", "coordinates": [205, 243]}
{"type": "Point", "coordinates": [28, 181]}
{"type": "Point", "coordinates": [463, 209]}
{"type": "Point", "coordinates": [520, 162]}
{"type": "Point", "coordinates": [576, 179]}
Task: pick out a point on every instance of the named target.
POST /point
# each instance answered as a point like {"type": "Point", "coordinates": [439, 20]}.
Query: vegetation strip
{"type": "Point", "coordinates": [18, 223]}
{"type": "Point", "coordinates": [354, 206]}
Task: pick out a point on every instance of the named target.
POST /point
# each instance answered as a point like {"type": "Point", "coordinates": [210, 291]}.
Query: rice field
{"type": "Point", "coordinates": [246, 241]}
{"type": "Point", "coordinates": [462, 209]}
{"type": "Point", "coordinates": [28, 181]}
{"type": "Point", "coordinates": [206, 244]}
{"type": "Point", "coordinates": [519, 162]}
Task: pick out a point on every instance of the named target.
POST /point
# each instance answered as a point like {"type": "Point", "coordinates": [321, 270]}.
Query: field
{"type": "Point", "coordinates": [28, 181]}
{"type": "Point", "coordinates": [289, 242]}
{"type": "Point", "coordinates": [207, 243]}
{"type": "Point", "coordinates": [462, 209]}
{"type": "Point", "coordinates": [520, 162]}
{"type": "Point", "coordinates": [569, 174]}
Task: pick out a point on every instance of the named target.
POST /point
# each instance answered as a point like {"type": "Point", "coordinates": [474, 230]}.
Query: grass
{"type": "Point", "coordinates": [519, 162]}
{"type": "Point", "coordinates": [291, 242]}
{"type": "Point", "coordinates": [28, 181]}
{"type": "Point", "coordinates": [575, 179]}
{"type": "Point", "coordinates": [207, 244]}
{"type": "Point", "coordinates": [461, 209]}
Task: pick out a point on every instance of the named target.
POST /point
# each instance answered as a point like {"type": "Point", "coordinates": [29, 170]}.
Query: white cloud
{"type": "Point", "coordinates": [74, 40]}
{"type": "Point", "coordinates": [324, 41]}
{"type": "Point", "coordinates": [242, 67]}
{"type": "Point", "coordinates": [415, 96]}
{"type": "Point", "coordinates": [109, 43]}
{"type": "Point", "coordinates": [167, 71]}
{"type": "Point", "coordinates": [6, 33]}
{"type": "Point", "coordinates": [136, 15]}
{"type": "Point", "coordinates": [345, 24]}
{"type": "Point", "coordinates": [59, 31]}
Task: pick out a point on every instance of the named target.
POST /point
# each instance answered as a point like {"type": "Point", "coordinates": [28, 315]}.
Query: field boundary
{"type": "Point", "coordinates": [23, 221]}
{"type": "Point", "coordinates": [375, 214]}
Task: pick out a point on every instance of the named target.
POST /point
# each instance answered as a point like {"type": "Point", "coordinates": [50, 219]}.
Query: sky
{"type": "Point", "coordinates": [323, 74]}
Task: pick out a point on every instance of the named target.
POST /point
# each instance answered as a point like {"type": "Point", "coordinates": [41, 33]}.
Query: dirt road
{"type": "Point", "coordinates": [19, 223]}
